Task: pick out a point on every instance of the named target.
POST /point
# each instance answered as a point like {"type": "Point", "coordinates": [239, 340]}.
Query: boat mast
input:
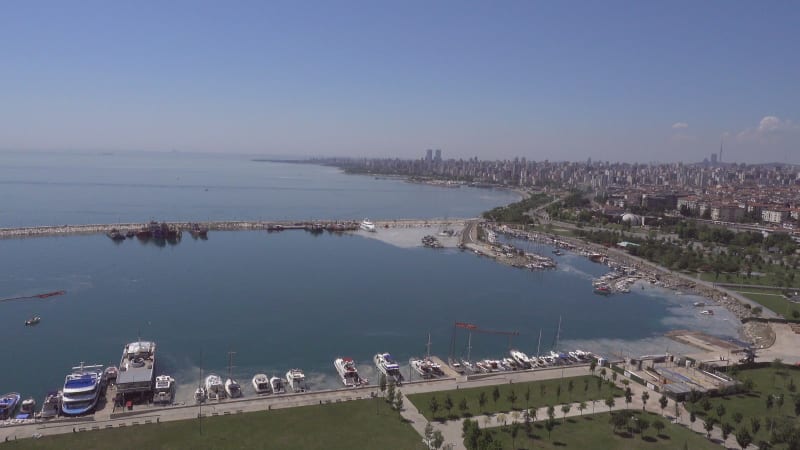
{"type": "Point", "coordinates": [230, 363]}
{"type": "Point", "coordinates": [469, 346]}
{"type": "Point", "coordinates": [539, 347]}
{"type": "Point", "coordinates": [558, 333]}
{"type": "Point", "coordinates": [429, 346]}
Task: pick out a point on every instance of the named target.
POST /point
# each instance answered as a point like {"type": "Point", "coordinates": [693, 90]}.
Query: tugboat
{"type": "Point", "coordinates": [33, 321]}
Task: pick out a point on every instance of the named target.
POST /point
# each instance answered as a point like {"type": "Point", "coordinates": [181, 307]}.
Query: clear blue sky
{"type": "Point", "coordinates": [640, 80]}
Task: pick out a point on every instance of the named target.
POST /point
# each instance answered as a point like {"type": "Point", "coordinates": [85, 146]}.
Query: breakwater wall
{"type": "Point", "coordinates": [233, 225]}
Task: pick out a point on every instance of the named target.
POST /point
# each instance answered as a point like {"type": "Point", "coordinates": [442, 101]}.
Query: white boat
{"type": "Point", "coordinates": [261, 384]}
{"type": "Point", "coordinates": [387, 365]}
{"type": "Point", "coordinates": [425, 367]}
{"type": "Point", "coordinates": [366, 225]}
{"type": "Point", "coordinates": [200, 394]}
{"type": "Point", "coordinates": [296, 380]}
{"type": "Point", "coordinates": [707, 312]}
{"type": "Point", "coordinates": [51, 405]}
{"type": "Point", "coordinates": [165, 390]}
{"type": "Point", "coordinates": [233, 388]}
{"type": "Point", "coordinates": [214, 387]}
{"type": "Point", "coordinates": [27, 409]}
{"type": "Point", "coordinates": [277, 385]}
{"type": "Point", "coordinates": [348, 372]}
{"type": "Point", "coordinates": [82, 389]}
{"type": "Point", "coordinates": [521, 358]}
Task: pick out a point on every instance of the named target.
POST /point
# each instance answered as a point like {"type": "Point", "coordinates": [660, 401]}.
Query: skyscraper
{"type": "Point", "coordinates": [438, 157]}
{"type": "Point", "coordinates": [428, 155]}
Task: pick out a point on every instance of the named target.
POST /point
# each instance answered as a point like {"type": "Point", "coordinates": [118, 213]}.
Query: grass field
{"type": "Point", "coordinates": [344, 426]}
{"type": "Point", "coordinates": [768, 279]}
{"type": "Point", "coordinates": [768, 381]}
{"type": "Point", "coordinates": [584, 389]}
{"type": "Point", "coordinates": [777, 303]}
{"type": "Point", "coordinates": [595, 432]}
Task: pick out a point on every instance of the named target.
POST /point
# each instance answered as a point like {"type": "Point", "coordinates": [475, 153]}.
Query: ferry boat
{"type": "Point", "coordinates": [261, 384]}
{"type": "Point", "coordinates": [348, 372]}
{"type": "Point", "coordinates": [165, 390]}
{"type": "Point", "coordinates": [135, 375]}
{"type": "Point", "coordinates": [82, 389]}
{"type": "Point", "coordinates": [277, 385]}
{"type": "Point", "coordinates": [233, 388]}
{"type": "Point", "coordinates": [27, 409]}
{"type": "Point", "coordinates": [51, 405]}
{"type": "Point", "coordinates": [296, 380]}
{"type": "Point", "coordinates": [214, 387]}
{"type": "Point", "coordinates": [521, 358]}
{"type": "Point", "coordinates": [33, 321]}
{"type": "Point", "coordinates": [366, 225]}
{"type": "Point", "coordinates": [8, 403]}
{"type": "Point", "coordinates": [389, 367]}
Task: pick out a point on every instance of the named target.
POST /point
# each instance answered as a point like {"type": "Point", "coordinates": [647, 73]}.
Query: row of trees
{"type": "Point", "coordinates": [515, 212]}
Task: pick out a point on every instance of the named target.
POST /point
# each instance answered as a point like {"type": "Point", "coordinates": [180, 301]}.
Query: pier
{"type": "Point", "coordinates": [227, 225]}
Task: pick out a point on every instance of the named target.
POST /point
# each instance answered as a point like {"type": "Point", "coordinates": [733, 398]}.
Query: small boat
{"type": "Point", "coordinates": [558, 252]}
{"type": "Point", "coordinates": [165, 390]}
{"type": "Point", "coordinates": [521, 358]}
{"type": "Point", "coordinates": [296, 380]}
{"type": "Point", "coordinates": [214, 387]}
{"type": "Point", "coordinates": [200, 394]}
{"type": "Point", "coordinates": [602, 289]}
{"type": "Point", "coordinates": [115, 235]}
{"type": "Point", "coordinates": [261, 384]}
{"type": "Point", "coordinates": [707, 312]}
{"type": "Point", "coordinates": [348, 372]}
{"type": "Point", "coordinates": [233, 388]}
{"type": "Point", "coordinates": [387, 365]}
{"type": "Point", "coordinates": [51, 405]}
{"type": "Point", "coordinates": [33, 321]}
{"type": "Point", "coordinates": [277, 385]}
{"type": "Point", "coordinates": [699, 304]}
{"type": "Point", "coordinates": [27, 409]}
{"type": "Point", "coordinates": [110, 373]}
{"type": "Point", "coordinates": [366, 225]}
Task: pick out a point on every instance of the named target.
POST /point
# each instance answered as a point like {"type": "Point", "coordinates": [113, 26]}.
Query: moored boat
{"type": "Point", "coordinates": [164, 390]}
{"type": "Point", "coordinates": [233, 388]}
{"type": "Point", "coordinates": [366, 225]}
{"type": "Point", "coordinates": [261, 384]}
{"type": "Point", "coordinates": [348, 372]}
{"type": "Point", "coordinates": [82, 389]}
{"type": "Point", "coordinates": [8, 403]}
{"type": "Point", "coordinates": [387, 365]}
{"type": "Point", "coordinates": [296, 380]}
{"type": "Point", "coordinates": [521, 358]}
{"type": "Point", "coordinates": [276, 383]}
{"type": "Point", "coordinates": [200, 394]}
{"type": "Point", "coordinates": [27, 409]}
{"type": "Point", "coordinates": [51, 405]}
{"type": "Point", "coordinates": [214, 387]}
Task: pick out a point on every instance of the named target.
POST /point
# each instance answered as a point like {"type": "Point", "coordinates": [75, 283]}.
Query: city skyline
{"type": "Point", "coordinates": [568, 81]}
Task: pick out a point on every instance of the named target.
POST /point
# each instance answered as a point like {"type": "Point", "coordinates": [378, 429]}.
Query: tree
{"type": "Point", "coordinates": [662, 402]}
{"type": "Point", "coordinates": [463, 406]}
{"type": "Point", "coordinates": [433, 405]}
{"type": "Point", "coordinates": [549, 425]}
{"type": "Point", "coordinates": [737, 417]}
{"type": "Point", "coordinates": [769, 402]}
{"type": "Point", "coordinates": [383, 383]}
{"type": "Point", "coordinates": [551, 412]}
{"type": "Point", "coordinates": [603, 373]}
{"type": "Point", "coordinates": [755, 424]}
{"type": "Point", "coordinates": [677, 411]}
{"type": "Point", "coordinates": [743, 438]}
{"type": "Point", "coordinates": [618, 420]}
{"type": "Point", "coordinates": [512, 398]}
{"type": "Point", "coordinates": [727, 429]}
{"type": "Point", "coordinates": [482, 400]}
{"type": "Point", "coordinates": [720, 411]}
{"type": "Point", "coordinates": [570, 387]}
{"type": "Point", "coordinates": [514, 416]}
{"type": "Point", "coordinates": [558, 392]}
{"type": "Point", "coordinates": [709, 425]}
{"type": "Point", "coordinates": [565, 410]}
{"type": "Point", "coordinates": [658, 426]}
{"type": "Point", "coordinates": [471, 433]}
{"type": "Point", "coordinates": [797, 406]}
{"type": "Point", "coordinates": [398, 401]}
{"type": "Point", "coordinates": [448, 404]}
{"type": "Point", "coordinates": [645, 398]}
{"type": "Point", "coordinates": [628, 396]}
{"type": "Point", "coordinates": [614, 376]}
{"type": "Point", "coordinates": [705, 404]}
{"type": "Point", "coordinates": [438, 439]}
{"type": "Point", "coordinates": [501, 418]}
{"type": "Point", "coordinates": [610, 402]}
{"type": "Point", "coordinates": [428, 436]}
{"type": "Point", "coordinates": [593, 366]}
{"type": "Point", "coordinates": [390, 393]}
{"type": "Point", "coordinates": [514, 433]}
{"type": "Point", "coordinates": [528, 397]}
{"type": "Point", "coordinates": [495, 394]}
{"type": "Point", "coordinates": [599, 384]}
{"type": "Point", "coordinates": [581, 407]}
{"type": "Point", "coordinates": [644, 424]}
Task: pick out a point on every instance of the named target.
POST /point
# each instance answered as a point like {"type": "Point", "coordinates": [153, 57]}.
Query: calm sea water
{"type": "Point", "coordinates": [293, 299]}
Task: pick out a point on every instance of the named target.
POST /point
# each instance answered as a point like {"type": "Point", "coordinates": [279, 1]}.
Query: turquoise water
{"type": "Point", "coordinates": [280, 300]}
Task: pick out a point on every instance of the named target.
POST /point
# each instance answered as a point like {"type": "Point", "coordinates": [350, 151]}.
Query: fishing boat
{"type": "Point", "coordinates": [348, 372]}
{"type": "Point", "coordinates": [51, 405]}
{"type": "Point", "coordinates": [277, 385]}
{"type": "Point", "coordinates": [82, 389]}
{"type": "Point", "coordinates": [261, 384]}
{"type": "Point", "coordinates": [296, 380]}
{"type": "Point", "coordinates": [164, 390]}
{"type": "Point", "coordinates": [33, 321]}
{"type": "Point", "coordinates": [8, 403]}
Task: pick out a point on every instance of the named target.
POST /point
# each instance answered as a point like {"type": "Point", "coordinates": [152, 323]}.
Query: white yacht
{"type": "Point", "coordinates": [348, 372]}
{"type": "Point", "coordinates": [521, 358]}
{"type": "Point", "coordinates": [425, 367]}
{"type": "Point", "coordinates": [296, 380]}
{"type": "Point", "coordinates": [200, 394]}
{"type": "Point", "coordinates": [51, 405]}
{"type": "Point", "coordinates": [233, 388]}
{"type": "Point", "coordinates": [277, 385]}
{"type": "Point", "coordinates": [366, 225]}
{"type": "Point", "coordinates": [214, 387]}
{"type": "Point", "coordinates": [81, 390]}
{"type": "Point", "coordinates": [389, 367]}
{"type": "Point", "coordinates": [261, 384]}
{"type": "Point", "coordinates": [165, 390]}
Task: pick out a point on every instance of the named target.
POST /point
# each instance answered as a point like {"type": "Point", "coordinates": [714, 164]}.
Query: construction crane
{"type": "Point", "coordinates": [472, 328]}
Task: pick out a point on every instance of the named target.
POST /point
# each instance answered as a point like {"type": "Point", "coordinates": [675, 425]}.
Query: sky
{"type": "Point", "coordinates": [619, 81]}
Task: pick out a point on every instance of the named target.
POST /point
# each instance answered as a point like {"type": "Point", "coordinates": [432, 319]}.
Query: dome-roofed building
{"type": "Point", "coordinates": [633, 219]}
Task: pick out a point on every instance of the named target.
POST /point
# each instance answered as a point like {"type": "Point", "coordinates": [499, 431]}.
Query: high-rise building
{"type": "Point", "coordinates": [428, 155]}
{"type": "Point", "coordinates": [438, 156]}
{"type": "Point", "coordinates": [713, 159]}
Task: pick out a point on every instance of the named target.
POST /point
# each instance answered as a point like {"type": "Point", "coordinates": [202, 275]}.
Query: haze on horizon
{"type": "Point", "coordinates": [636, 81]}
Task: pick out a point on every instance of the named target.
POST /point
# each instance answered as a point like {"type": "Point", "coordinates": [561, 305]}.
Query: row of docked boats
{"type": "Point", "coordinates": [213, 388]}
{"type": "Point", "coordinates": [518, 360]}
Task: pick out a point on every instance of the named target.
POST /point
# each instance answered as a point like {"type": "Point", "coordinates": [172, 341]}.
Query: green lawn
{"type": "Point", "coordinates": [768, 382]}
{"type": "Point", "coordinates": [345, 426]}
{"type": "Point", "coordinates": [768, 279]}
{"type": "Point", "coordinates": [595, 432]}
{"type": "Point", "coordinates": [777, 303]}
{"type": "Point", "coordinates": [584, 389]}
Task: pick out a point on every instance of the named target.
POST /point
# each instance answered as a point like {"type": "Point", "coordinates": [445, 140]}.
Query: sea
{"type": "Point", "coordinates": [257, 302]}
